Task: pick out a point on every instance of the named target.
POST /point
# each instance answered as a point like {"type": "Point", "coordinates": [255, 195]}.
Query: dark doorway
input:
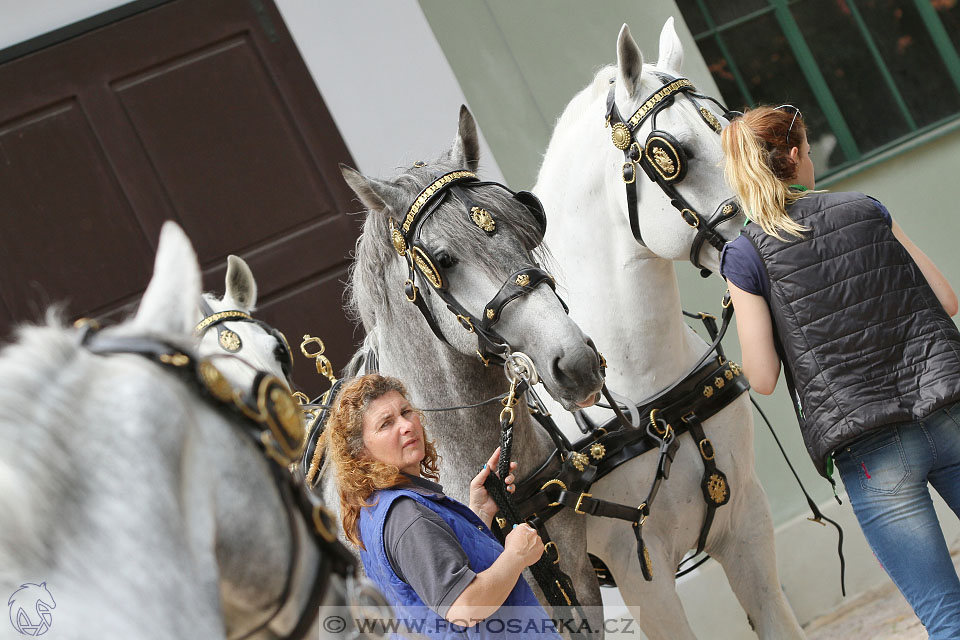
{"type": "Point", "coordinates": [199, 112]}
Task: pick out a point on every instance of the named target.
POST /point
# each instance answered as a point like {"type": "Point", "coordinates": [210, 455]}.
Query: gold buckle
{"type": "Point", "coordinates": [555, 548]}
{"type": "Point", "coordinates": [576, 509]}
{"type": "Point", "coordinates": [643, 516]}
{"type": "Point", "coordinates": [726, 300]}
{"type": "Point", "coordinates": [465, 323]}
{"type": "Point", "coordinates": [696, 218]}
{"type": "Point", "coordinates": [703, 453]}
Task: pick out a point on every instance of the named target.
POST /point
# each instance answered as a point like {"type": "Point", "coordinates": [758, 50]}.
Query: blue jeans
{"type": "Point", "coordinates": [885, 475]}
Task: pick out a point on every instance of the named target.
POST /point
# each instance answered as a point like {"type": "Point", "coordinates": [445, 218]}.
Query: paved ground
{"type": "Point", "coordinates": [880, 614]}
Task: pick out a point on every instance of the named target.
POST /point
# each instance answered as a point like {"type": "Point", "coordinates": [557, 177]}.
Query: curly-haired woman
{"type": "Point", "coordinates": [433, 557]}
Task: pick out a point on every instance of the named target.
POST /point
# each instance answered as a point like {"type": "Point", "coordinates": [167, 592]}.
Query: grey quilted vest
{"type": "Point", "coordinates": [863, 338]}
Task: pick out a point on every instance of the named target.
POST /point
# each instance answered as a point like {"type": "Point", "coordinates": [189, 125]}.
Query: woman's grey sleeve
{"type": "Point", "coordinates": [424, 552]}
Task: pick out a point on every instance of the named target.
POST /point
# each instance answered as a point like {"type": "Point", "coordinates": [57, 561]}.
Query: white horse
{"type": "Point", "coordinates": [626, 297]}
{"type": "Point", "coordinates": [142, 506]}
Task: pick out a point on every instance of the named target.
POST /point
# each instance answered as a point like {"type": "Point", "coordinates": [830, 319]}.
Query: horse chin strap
{"type": "Point", "coordinates": [664, 161]}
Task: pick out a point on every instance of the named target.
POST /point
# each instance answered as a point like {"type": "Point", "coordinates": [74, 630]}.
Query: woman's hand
{"type": "Point", "coordinates": [481, 502]}
{"type": "Point", "coordinates": [525, 543]}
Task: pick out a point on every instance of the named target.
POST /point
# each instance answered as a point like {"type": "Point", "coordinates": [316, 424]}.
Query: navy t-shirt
{"type": "Point", "coordinates": [741, 264]}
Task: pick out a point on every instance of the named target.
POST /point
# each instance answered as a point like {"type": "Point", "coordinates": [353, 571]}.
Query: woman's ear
{"type": "Point", "coordinates": [795, 154]}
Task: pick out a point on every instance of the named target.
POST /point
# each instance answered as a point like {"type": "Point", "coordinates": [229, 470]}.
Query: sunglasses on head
{"type": "Point", "coordinates": [796, 112]}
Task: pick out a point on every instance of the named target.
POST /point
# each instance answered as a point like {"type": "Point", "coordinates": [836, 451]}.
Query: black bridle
{"type": "Point", "coordinates": [230, 342]}
{"type": "Point", "coordinates": [268, 415]}
{"type": "Point", "coordinates": [421, 264]}
{"type": "Point", "coordinates": [664, 160]}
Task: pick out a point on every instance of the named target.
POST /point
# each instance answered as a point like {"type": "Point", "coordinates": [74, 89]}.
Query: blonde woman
{"type": "Point", "coordinates": [433, 558]}
{"type": "Point", "coordinates": [830, 286]}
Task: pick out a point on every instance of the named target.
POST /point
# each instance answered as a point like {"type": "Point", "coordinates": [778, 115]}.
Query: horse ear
{"type": "Point", "coordinates": [629, 61]}
{"type": "Point", "coordinates": [376, 195]}
{"type": "Point", "coordinates": [169, 305]}
{"type": "Point", "coordinates": [671, 50]}
{"type": "Point", "coordinates": [240, 284]}
{"type": "Point", "coordinates": [466, 148]}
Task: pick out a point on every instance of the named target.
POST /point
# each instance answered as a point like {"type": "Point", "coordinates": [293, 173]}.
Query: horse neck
{"type": "Point", "coordinates": [438, 376]}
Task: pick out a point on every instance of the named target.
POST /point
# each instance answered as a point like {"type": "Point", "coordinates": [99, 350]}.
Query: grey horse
{"type": "Point", "coordinates": [448, 373]}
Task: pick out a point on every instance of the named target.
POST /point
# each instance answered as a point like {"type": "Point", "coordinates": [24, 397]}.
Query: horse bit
{"type": "Point", "coordinates": [664, 160]}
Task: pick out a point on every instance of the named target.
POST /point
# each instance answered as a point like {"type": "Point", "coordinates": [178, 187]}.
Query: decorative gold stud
{"type": "Point", "coordinates": [396, 237]}
{"type": "Point", "coordinates": [663, 161]}
{"type": "Point", "coordinates": [483, 219]}
{"type": "Point", "coordinates": [176, 359]}
{"type": "Point", "coordinates": [620, 135]}
{"type": "Point", "coordinates": [523, 280]}
{"type": "Point", "coordinates": [718, 382]}
{"type": "Point", "coordinates": [579, 461]}
{"type": "Point", "coordinates": [710, 119]}
{"type": "Point", "coordinates": [597, 451]}
{"type": "Point", "coordinates": [230, 341]}
{"type": "Point", "coordinates": [717, 488]}
{"type": "Point", "coordinates": [707, 391]}
{"type": "Point", "coordinates": [727, 209]}
{"type": "Point", "coordinates": [490, 314]}
{"type": "Point", "coordinates": [728, 374]}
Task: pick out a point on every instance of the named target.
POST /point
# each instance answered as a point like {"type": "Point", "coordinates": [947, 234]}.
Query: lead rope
{"type": "Point", "coordinates": [818, 516]}
{"type": "Point", "coordinates": [556, 585]}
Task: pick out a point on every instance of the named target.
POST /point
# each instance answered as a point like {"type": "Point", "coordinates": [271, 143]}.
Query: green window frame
{"type": "Point", "coordinates": [716, 36]}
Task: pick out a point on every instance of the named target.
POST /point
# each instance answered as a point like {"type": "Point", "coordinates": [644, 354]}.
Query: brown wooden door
{"type": "Point", "coordinates": [199, 111]}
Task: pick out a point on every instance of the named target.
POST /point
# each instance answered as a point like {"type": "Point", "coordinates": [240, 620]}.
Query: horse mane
{"type": "Point", "coordinates": [375, 274]}
{"type": "Point", "coordinates": [42, 476]}
{"type": "Point", "coordinates": [31, 397]}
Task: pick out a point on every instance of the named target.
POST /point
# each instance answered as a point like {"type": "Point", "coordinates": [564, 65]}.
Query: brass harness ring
{"type": "Point", "coordinates": [550, 482]}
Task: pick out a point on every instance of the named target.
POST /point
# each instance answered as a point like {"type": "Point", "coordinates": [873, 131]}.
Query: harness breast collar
{"type": "Point", "coordinates": [269, 416]}
{"type": "Point", "coordinates": [406, 240]}
{"type": "Point", "coordinates": [664, 160]}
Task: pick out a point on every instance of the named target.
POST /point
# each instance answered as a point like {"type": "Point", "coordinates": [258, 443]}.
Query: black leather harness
{"type": "Point", "coordinates": [664, 160]}
{"type": "Point", "coordinates": [272, 420]}
{"type": "Point", "coordinates": [405, 235]}
{"type": "Point", "coordinates": [565, 478]}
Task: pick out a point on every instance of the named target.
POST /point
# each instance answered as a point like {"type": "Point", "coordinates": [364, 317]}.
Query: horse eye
{"type": "Point", "coordinates": [444, 259]}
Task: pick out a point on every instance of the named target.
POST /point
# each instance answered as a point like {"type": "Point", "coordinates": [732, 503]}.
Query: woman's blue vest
{"type": "Point", "coordinates": [521, 615]}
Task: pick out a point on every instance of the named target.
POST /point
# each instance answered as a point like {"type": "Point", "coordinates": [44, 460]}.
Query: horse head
{"type": "Point", "coordinates": [664, 130]}
{"type": "Point", "coordinates": [227, 328]}
{"type": "Point", "coordinates": [465, 254]}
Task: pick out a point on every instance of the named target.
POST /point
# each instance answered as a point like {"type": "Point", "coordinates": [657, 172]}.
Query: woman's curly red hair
{"type": "Point", "coordinates": [358, 476]}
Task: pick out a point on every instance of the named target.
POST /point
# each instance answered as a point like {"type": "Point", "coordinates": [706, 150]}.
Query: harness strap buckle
{"type": "Point", "coordinates": [583, 495]}
{"type": "Point", "coordinates": [465, 322]}
{"type": "Point", "coordinates": [556, 550]}
{"type": "Point", "coordinates": [642, 518]}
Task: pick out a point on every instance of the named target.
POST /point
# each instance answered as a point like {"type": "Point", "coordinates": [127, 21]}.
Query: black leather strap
{"type": "Point", "coordinates": [714, 484]}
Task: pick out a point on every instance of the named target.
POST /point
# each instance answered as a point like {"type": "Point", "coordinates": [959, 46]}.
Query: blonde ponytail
{"type": "Point", "coordinates": [763, 196]}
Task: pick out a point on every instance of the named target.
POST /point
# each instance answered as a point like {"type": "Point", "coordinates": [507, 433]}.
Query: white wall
{"type": "Point", "coordinates": [376, 63]}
